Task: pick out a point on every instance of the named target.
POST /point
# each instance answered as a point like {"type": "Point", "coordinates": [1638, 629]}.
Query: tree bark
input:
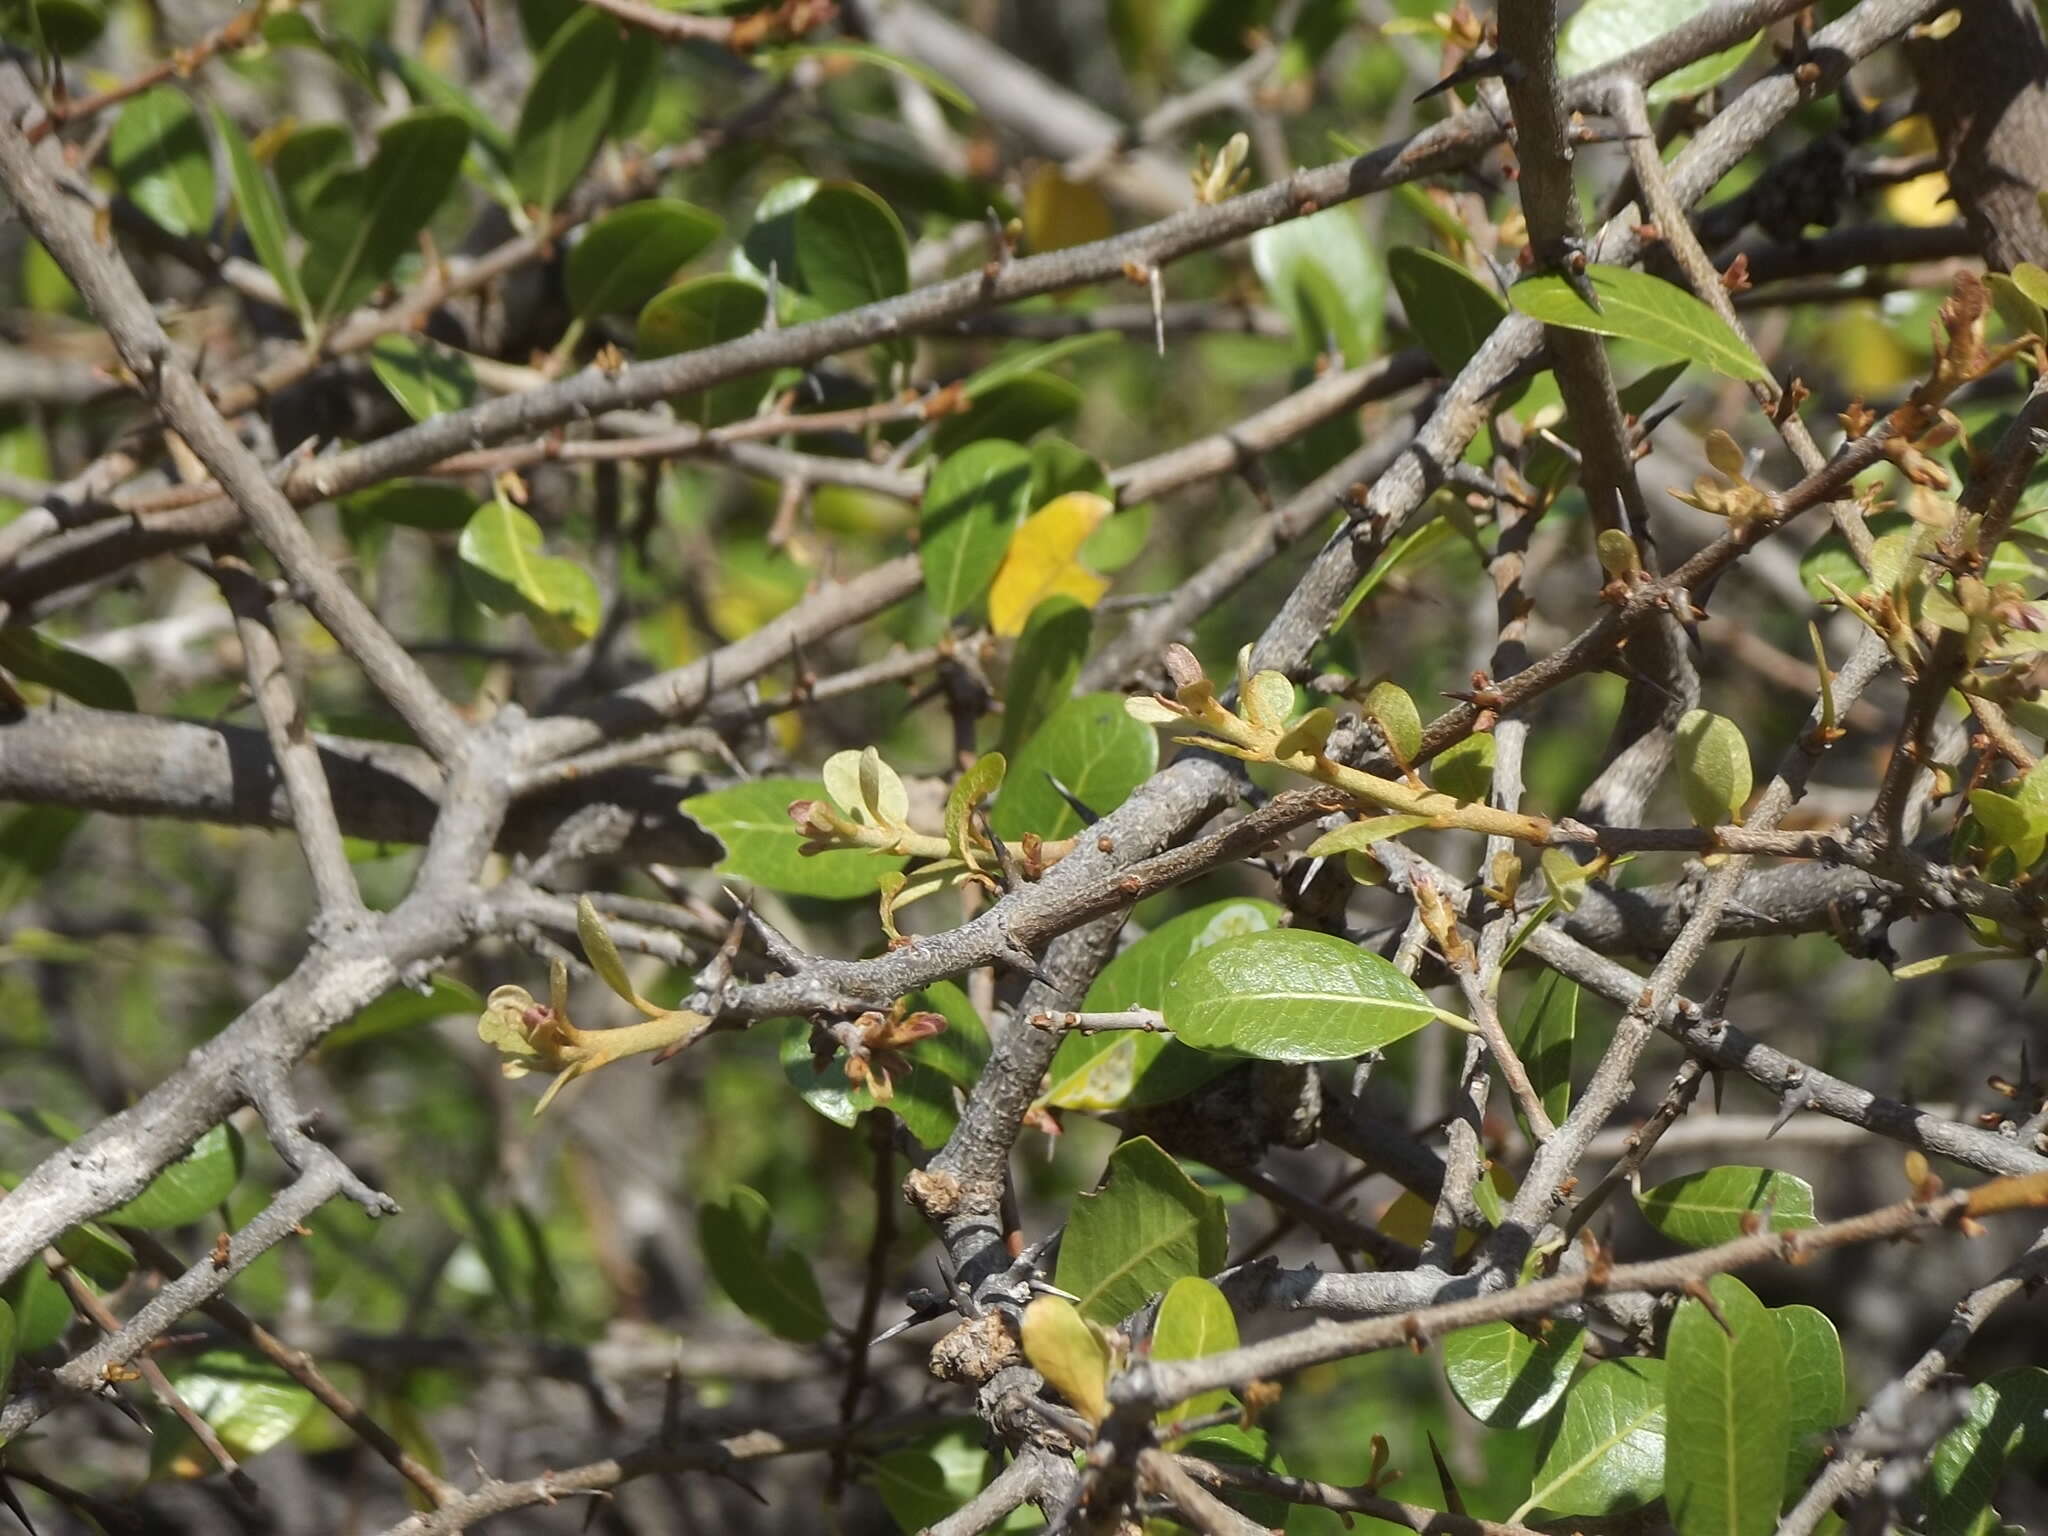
{"type": "Point", "coordinates": [1985, 86]}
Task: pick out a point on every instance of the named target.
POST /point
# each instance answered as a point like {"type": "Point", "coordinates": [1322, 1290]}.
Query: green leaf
{"type": "Point", "coordinates": [191, 1187]}
{"type": "Point", "coordinates": [1705, 1208]}
{"type": "Point", "coordinates": [1100, 753]}
{"type": "Point", "coordinates": [761, 842]}
{"type": "Point", "coordinates": [1032, 360]}
{"type": "Point", "coordinates": [1814, 1386]}
{"type": "Point", "coordinates": [922, 1098]}
{"type": "Point", "coordinates": [918, 1489]}
{"type": "Point", "coordinates": [2007, 822]}
{"type": "Point", "coordinates": [1058, 467]}
{"type": "Point", "coordinates": [703, 312]}
{"type": "Point", "coordinates": [1149, 1225]}
{"type": "Point", "coordinates": [503, 569]}
{"type": "Point", "coordinates": [251, 1404]}
{"type": "Point", "coordinates": [159, 155]}
{"type": "Point", "coordinates": [1016, 409]}
{"type": "Point", "coordinates": [849, 246]}
{"type": "Point", "coordinates": [261, 212]}
{"type": "Point", "coordinates": [1124, 1067]}
{"type": "Point", "coordinates": [972, 505]}
{"type": "Point", "coordinates": [1390, 708]}
{"type": "Point", "coordinates": [36, 659]}
{"type": "Point", "coordinates": [1465, 771]}
{"type": "Point", "coordinates": [2007, 1427]}
{"type": "Point", "coordinates": [438, 506]}
{"type": "Point", "coordinates": [358, 223]}
{"type": "Point", "coordinates": [7, 1340]}
{"type": "Point", "coordinates": [980, 781]}
{"type": "Point", "coordinates": [1603, 30]}
{"type": "Point", "coordinates": [1069, 1354]}
{"type": "Point", "coordinates": [61, 27]}
{"type": "Point", "coordinates": [626, 257]}
{"type": "Point", "coordinates": [569, 108]}
{"type": "Point", "coordinates": [42, 1312]}
{"type": "Point", "coordinates": [779, 61]}
{"type": "Point", "coordinates": [1638, 307]}
{"type": "Point", "coordinates": [1451, 311]}
{"type": "Point", "coordinates": [1507, 1380]}
{"type": "Point", "coordinates": [1292, 995]}
{"type": "Point", "coordinates": [1713, 767]}
{"type": "Point", "coordinates": [1048, 659]}
{"type": "Point", "coordinates": [423, 376]}
{"type": "Point", "coordinates": [96, 1255]}
{"type": "Point", "coordinates": [1324, 275]}
{"type": "Point", "coordinates": [1194, 1320]}
{"type": "Point", "coordinates": [1605, 1454]}
{"type": "Point", "coordinates": [1724, 1463]}
{"type": "Point", "coordinates": [304, 163]}
{"type": "Point", "coordinates": [771, 1284]}
{"type": "Point", "coordinates": [1542, 1036]}
{"type": "Point", "coordinates": [1829, 559]}
{"type": "Point", "coordinates": [402, 1009]}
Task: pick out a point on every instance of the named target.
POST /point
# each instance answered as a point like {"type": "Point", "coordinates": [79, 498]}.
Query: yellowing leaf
{"type": "Point", "coordinates": [1068, 1354]}
{"type": "Point", "coordinates": [1043, 561]}
{"type": "Point", "coordinates": [1059, 213]}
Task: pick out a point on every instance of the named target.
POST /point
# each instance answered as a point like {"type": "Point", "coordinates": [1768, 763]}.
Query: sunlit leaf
{"type": "Point", "coordinates": [1068, 1354]}
{"type": "Point", "coordinates": [1641, 308]}
{"type": "Point", "coordinates": [1093, 748]}
{"type": "Point", "coordinates": [1043, 561]}
{"type": "Point", "coordinates": [1292, 995]}
{"type": "Point", "coordinates": [1606, 1451]}
{"type": "Point", "coordinates": [1725, 1417]}
{"type": "Point", "coordinates": [504, 569]}
{"type": "Point", "coordinates": [702, 312]}
{"type": "Point", "coordinates": [762, 843]}
{"type": "Point", "coordinates": [1505, 1378]}
{"type": "Point", "coordinates": [159, 154]}
{"type": "Point", "coordinates": [972, 505]}
{"type": "Point", "coordinates": [1713, 767]}
{"type": "Point", "coordinates": [1708, 1207]}
{"type": "Point", "coordinates": [626, 257]}
{"type": "Point", "coordinates": [1149, 1225]}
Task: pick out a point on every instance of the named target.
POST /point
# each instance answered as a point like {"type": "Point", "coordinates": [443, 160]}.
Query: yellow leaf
{"type": "Point", "coordinates": [1043, 561]}
{"type": "Point", "coordinates": [1059, 213]}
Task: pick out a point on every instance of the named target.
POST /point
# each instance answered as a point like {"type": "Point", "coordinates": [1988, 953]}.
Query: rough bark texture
{"type": "Point", "coordinates": [1985, 86]}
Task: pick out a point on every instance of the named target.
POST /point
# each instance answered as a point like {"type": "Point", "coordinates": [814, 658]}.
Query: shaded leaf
{"type": "Point", "coordinates": [972, 505]}
{"type": "Point", "coordinates": [698, 313]}
{"type": "Point", "coordinates": [1149, 1225]}
{"type": "Point", "coordinates": [922, 1098]}
{"type": "Point", "coordinates": [261, 213]}
{"type": "Point", "coordinates": [1017, 409]}
{"type": "Point", "coordinates": [2006, 1427]}
{"type": "Point", "coordinates": [1465, 771]}
{"type": "Point", "coordinates": [189, 1189]}
{"type": "Point", "coordinates": [1323, 273]}
{"type": "Point", "coordinates": [1451, 311]}
{"type": "Point", "coordinates": [1713, 767]}
{"type": "Point", "coordinates": [438, 506]}
{"type": "Point", "coordinates": [425, 378]}
{"type": "Point", "coordinates": [1292, 995]}
{"type": "Point", "coordinates": [1542, 1036]}
{"type": "Point", "coordinates": [626, 257]}
{"type": "Point", "coordinates": [771, 1284]}
{"type": "Point", "coordinates": [1603, 30]}
{"type": "Point", "coordinates": [159, 154]}
{"type": "Point", "coordinates": [1814, 1386]}
{"type": "Point", "coordinates": [358, 223]}
{"type": "Point", "coordinates": [1505, 1378]}
{"type": "Point", "coordinates": [570, 105]}
{"type": "Point", "coordinates": [37, 659]}
{"type": "Point", "coordinates": [1042, 673]}
{"type": "Point", "coordinates": [849, 246]}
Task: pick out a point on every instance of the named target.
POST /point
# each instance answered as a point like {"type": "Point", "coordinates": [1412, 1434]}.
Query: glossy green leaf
{"type": "Point", "coordinates": [762, 843]}
{"type": "Point", "coordinates": [504, 569]}
{"type": "Point", "coordinates": [438, 506]}
{"type": "Point", "coordinates": [569, 107]}
{"type": "Point", "coordinates": [849, 248]}
{"type": "Point", "coordinates": [36, 659]}
{"type": "Point", "coordinates": [262, 215]}
{"type": "Point", "coordinates": [1603, 30]}
{"type": "Point", "coordinates": [1712, 759]}
{"type": "Point", "coordinates": [1047, 661]}
{"type": "Point", "coordinates": [189, 1189]}
{"type": "Point", "coordinates": [1323, 273]}
{"type": "Point", "coordinates": [1725, 1416]}
{"type": "Point", "coordinates": [627, 257]}
{"type": "Point", "coordinates": [1605, 1452]}
{"type": "Point", "coordinates": [1450, 311]}
{"type": "Point", "coordinates": [772, 1284]}
{"type": "Point", "coordinates": [1130, 1067]}
{"type": "Point", "coordinates": [251, 1404]}
{"type": "Point", "coordinates": [702, 312]}
{"type": "Point", "coordinates": [1704, 1208]}
{"type": "Point", "coordinates": [2010, 823]}
{"type": "Point", "coordinates": [96, 1254]}
{"type": "Point", "coordinates": [922, 1097]}
{"type": "Point", "coordinates": [159, 154]}
{"type": "Point", "coordinates": [358, 223]}
{"type": "Point", "coordinates": [1815, 1389]}
{"type": "Point", "coordinates": [427, 379]}
{"type": "Point", "coordinates": [2005, 1430]}
{"type": "Point", "coordinates": [1638, 307]}
{"type": "Point", "coordinates": [1092, 747]}
{"type": "Point", "coordinates": [1149, 1225]}
{"type": "Point", "coordinates": [1505, 1378]}
{"type": "Point", "coordinates": [1194, 1320]}
{"type": "Point", "coordinates": [1542, 1036]}
{"type": "Point", "coordinates": [972, 505]}
{"type": "Point", "coordinates": [1070, 1355]}
{"type": "Point", "coordinates": [1465, 771]}
{"type": "Point", "coordinates": [1016, 409]}
{"type": "Point", "coordinates": [1292, 995]}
